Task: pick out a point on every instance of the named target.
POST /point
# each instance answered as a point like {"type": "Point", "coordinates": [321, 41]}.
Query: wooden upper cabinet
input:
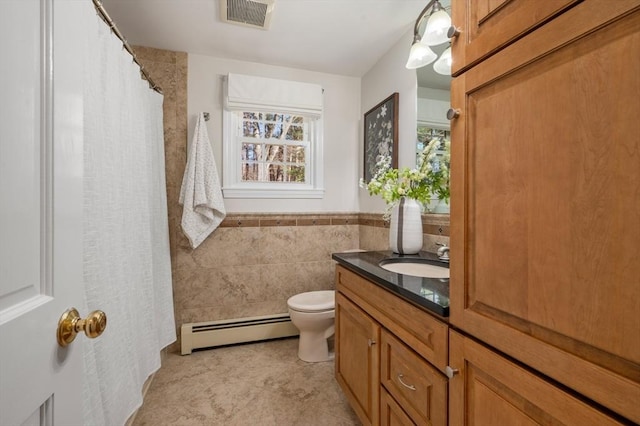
{"type": "Point", "coordinates": [490, 390]}
{"type": "Point", "coordinates": [488, 25]}
{"type": "Point", "coordinates": [545, 209]}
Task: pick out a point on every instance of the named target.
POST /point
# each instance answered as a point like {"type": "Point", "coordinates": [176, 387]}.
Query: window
{"type": "Point", "coordinates": [274, 147]}
{"type": "Point", "coordinates": [270, 151]}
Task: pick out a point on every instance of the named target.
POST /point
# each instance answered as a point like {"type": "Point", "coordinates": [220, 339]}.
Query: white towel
{"type": "Point", "coordinates": [201, 195]}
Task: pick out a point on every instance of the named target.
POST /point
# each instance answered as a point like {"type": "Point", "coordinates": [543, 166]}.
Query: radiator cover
{"type": "Point", "coordinates": [232, 331]}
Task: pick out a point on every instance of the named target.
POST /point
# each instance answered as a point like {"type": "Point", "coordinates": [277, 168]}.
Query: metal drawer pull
{"type": "Point", "coordinates": [371, 342]}
{"type": "Point", "coordinates": [400, 376]}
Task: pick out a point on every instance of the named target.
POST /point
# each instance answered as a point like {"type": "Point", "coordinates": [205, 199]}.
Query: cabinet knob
{"type": "Point", "coordinates": [450, 372]}
{"type": "Point", "coordinates": [453, 113]}
{"type": "Point", "coordinates": [453, 31]}
{"type": "Point", "coordinates": [371, 342]}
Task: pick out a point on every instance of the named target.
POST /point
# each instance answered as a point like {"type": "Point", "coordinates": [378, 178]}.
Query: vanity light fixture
{"type": "Point", "coordinates": [437, 31]}
{"type": "Point", "coordinates": [443, 64]}
{"type": "Point", "coordinates": [437, 25]}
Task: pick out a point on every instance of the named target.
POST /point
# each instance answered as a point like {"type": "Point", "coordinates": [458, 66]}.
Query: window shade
{"type": "Point", "coordinates": [251, 93]}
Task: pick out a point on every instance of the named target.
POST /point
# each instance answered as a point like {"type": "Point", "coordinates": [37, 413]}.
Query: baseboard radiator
{"type": "Point", "coordinates": [239, 330]}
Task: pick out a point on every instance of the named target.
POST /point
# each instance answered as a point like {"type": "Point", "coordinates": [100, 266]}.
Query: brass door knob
{"type": "Point", "coordinates": [70, 324]}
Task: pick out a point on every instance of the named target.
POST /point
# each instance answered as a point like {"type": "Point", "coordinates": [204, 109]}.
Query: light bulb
{"type": "Point", "coordinates": [420, 55]}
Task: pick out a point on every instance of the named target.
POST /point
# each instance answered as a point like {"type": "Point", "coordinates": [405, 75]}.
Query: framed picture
{"type": "Point", "coordinates": [381, 135]}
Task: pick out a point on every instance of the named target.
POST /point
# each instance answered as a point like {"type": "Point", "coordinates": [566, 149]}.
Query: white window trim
{"type": "Point", "coordinates": [233, 187]}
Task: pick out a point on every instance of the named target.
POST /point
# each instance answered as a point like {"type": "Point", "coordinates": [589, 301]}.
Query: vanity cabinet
{"type": "Point", "coordinates": [545, 213]}
{"type": "Point", "coordinates": [390, 355]}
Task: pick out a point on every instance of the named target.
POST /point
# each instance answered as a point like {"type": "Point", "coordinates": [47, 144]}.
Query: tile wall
{"type": "Point", "coordinates": [253, 262]}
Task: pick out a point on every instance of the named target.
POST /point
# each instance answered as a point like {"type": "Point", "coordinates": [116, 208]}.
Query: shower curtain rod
{"type": "Point", "coordinates": [107, 19]}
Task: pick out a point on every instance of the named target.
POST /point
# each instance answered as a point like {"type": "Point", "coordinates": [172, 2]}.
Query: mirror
{"type": "Point", "coordinates": [433, 101]}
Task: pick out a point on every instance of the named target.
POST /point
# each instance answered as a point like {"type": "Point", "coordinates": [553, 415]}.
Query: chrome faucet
{"type": "Point", "coordinates": [443, 252]}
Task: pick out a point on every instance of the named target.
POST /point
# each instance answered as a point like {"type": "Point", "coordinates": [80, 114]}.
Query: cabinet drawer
{"type": "Point", "coordinates": [413, 382]}
{"type": "Point", "coordinates": [424, 333]}
{"type": "Point", "coordinates": [486, 26]}
{"type": "Point", "coordinates": [391, 414]}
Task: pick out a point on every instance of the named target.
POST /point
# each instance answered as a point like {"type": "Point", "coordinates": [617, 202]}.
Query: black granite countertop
{"type": "Point", "coordinates": [429, 293]}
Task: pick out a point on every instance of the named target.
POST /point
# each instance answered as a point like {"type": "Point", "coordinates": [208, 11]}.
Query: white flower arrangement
{"type": "Point", "coordinates": [429, 178]}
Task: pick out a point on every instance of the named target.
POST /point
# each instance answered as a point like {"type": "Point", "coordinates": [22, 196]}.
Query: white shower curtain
{"type": "Point", "coordinates": [127, 269]}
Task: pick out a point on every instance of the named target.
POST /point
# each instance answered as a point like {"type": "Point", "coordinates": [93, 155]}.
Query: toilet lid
{"type": "Point", "coordinates": [313, 301]}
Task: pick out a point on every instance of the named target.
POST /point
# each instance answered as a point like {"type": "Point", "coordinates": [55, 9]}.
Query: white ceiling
{"type": "Point", "coordinates": [345, 37]}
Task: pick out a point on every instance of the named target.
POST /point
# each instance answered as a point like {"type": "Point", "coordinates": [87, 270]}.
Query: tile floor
{"type": "Point", "coordinates": [260, 384]}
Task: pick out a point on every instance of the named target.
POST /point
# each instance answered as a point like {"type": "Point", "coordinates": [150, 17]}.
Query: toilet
{"type": "Point", "coordinates": [313, 314]}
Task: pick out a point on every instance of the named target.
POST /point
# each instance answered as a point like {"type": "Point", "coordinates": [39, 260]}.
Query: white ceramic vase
{"type": "Point", "coordinates": [405, 230]}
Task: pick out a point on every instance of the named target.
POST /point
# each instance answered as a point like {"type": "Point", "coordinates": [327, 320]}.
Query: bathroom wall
{"type": "Point", "coordinates": [268, 250]}
{"type": "Point", "coordinates": [263, 252]}
{"type": "Point", "coordinates": [387, 76]}
{"type": "Point", "coordinates": [254, 262]}
{"type": "Point", "coordinates": [341, 129]}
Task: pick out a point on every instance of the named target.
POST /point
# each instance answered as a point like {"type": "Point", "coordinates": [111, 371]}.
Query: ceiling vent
{"type": "Point", "coordinates": [250, 13]}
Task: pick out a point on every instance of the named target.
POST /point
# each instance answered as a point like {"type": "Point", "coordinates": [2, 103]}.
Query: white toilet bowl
{"type": "Point", "coordinates": [313, 314]}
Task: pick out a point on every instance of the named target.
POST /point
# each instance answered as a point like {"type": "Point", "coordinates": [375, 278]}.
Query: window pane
{"type": "Point", "coordinates": [250, 152]}
{"type": "Point", "coordinates": [250, 129]}
{"type": "Point", "coordinates": [276, 173]}
{"type": "Point", "coordinates": [295, 154]}
{"type": "Point", "coordinates": [250, 115]}
{"type": "Point", "coordinates": [250, 172]}
{"type": "Point", "coordinates": [275, 153]}
{"type": "Point", "coordinates": [295, 133]}
{"type": "Point", "coordinates": [295, 174]}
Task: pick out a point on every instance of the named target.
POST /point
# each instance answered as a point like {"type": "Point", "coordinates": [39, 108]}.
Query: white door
{"type": "Point", "coordinates": [40, 210]}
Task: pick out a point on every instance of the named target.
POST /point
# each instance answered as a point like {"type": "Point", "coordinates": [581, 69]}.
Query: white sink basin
{"type": "Point", "coordinates": [414, 267]}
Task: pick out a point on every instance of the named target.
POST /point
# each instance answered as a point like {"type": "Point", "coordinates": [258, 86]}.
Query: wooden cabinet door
{"type": "Point", "coordinates": [489, 390]}
{"type": "Point", "coordinates": [545, 209]}
{"type": "Point", "coordinates": [357, 359]}
{"type": "Point", "coordinates": [488, 25]}
{"type": "Point", "coordinates": [391, 414]}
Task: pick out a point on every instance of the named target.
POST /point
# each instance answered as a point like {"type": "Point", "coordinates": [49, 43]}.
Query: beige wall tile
{"type": "Point", "coordinates": [277, 244]}
{"type": "Point", "coordinates": [374, 238]}
{"type": "Point", "coordinates": [229, 247]}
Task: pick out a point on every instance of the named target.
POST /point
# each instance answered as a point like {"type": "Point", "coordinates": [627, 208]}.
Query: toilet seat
{"type": "Point", "coordinates": [313, 301]}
